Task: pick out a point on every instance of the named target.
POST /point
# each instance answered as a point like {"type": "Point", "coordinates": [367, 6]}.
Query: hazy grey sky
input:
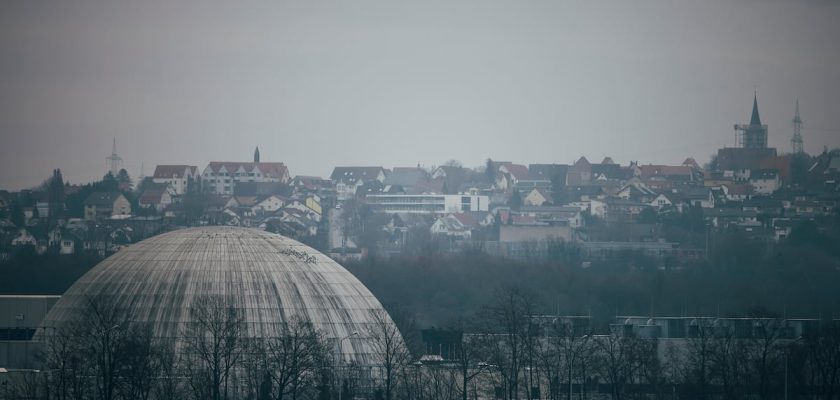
{"type": "Point", "coordinates": [317, 84]}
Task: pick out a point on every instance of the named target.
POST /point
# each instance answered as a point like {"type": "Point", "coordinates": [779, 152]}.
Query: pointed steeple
{"type": "Point", "coordinates": [755, 119]}
{"type": "Point", "coordinates": [257, 155]}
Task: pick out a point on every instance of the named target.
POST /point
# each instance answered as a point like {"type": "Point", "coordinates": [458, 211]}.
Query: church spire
{"type": "Point", "coordinates": [257, 155]}
{"type": "Point", "coordinates": [755, 119]}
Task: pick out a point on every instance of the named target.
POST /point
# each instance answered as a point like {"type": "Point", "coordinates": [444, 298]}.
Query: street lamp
{"type": "Point", "coordinates": [340, 356]}
{"type": "Point", "coordinates": [571, 365]}
{"type": "Point", "coordinates": [417, 364]}
{"type": "Point", "coordinates": [787, 356]}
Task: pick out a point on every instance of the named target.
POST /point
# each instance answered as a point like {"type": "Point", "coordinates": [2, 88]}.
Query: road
{"type": "Point", "coordinates": [335, 238]}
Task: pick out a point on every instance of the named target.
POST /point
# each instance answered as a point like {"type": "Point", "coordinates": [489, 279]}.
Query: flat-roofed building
{"type": "Point", "coordinates": [20, 316]}
{"type": "Point", "coordinates": [427, 203]}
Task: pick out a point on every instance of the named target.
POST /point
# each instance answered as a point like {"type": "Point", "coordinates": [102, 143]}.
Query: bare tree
{"type": "Point", "coordinates": [438, 382]}
{"type": "Point", "coordinates": [765, 355]}
{"type": "Point", "coordinates": [289, 363]}
{"type": "Point", "coordinates": [823, 360]}
{"type": "Point", "coordinates": [104, 337]}
{"type": "Point", "coordinates": [564, 355]}
{"type": "Point", "coordinates": [140, 363]}
{"type": "Point", "coordinates": [694, 361]}
{"type": "Point", "coordinates": [647, 366]}
{"type": "Point", "coordinates": [727, 364]}
{"type": "Point", "coordinates": [509, 318]}
{"type": "Point", "coordinates": [389, 348]}
{"type": "Point", "coordinates": [470, 361]}
{"type": "Point", "coordinates": [63, 361]}
{"type": "Point", "coordinates": [214, 345]}
{"type": "Point", "coordinates": [615, 362]}
{"type": "Point", "coordinates": [168, 384]}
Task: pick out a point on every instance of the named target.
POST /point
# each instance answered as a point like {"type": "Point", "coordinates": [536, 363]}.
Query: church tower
{"type": "Point", "coordinates": [257, 155]}
{"type": "Point", "coordinates": [754, 135]}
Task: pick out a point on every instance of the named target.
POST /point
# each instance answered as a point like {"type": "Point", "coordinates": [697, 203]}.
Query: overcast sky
{"type": "Point", "coordinates": [317, 84]}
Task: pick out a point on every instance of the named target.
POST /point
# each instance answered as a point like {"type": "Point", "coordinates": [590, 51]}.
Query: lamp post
{"type": "Point", "coordinates": [787, 356]}
{"type": "Point", "coordinates": [417, 364]}
{"type": "Point", "coordinates": [341, 358]}
{"type": "Point", "coordinates": [571, 365]}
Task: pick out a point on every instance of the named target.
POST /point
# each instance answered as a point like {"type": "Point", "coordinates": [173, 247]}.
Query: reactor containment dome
{"type": "Point", "coordinates": [268, 277]}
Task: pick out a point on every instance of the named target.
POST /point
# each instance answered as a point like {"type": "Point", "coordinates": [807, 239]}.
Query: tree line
{"type": "Point", "coordinates": [507, 350]}
{"type": "Point", "coordinates": [105, 354]}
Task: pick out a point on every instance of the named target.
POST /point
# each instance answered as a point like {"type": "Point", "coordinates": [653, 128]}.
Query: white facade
{"type": "Point", "coordinates": [765, 185]}
{"type": "Point", "coordinates": [427, 204]}
{"type": "Point", "coordinates": [177, 176]}
{"type": "Point", "coordinates": [222, 177]}
{"type": "Point", "coordinates": [535, 198]}
{"type": "Point", "coordinates": [269, 204]}
{"type": "Point", "coordinates": [661, 201]}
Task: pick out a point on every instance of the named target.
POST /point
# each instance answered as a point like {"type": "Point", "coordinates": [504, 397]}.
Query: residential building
{"type": "Point", "coordinates": [580, 173]}
{"type": "Point", "coordinates": [348, 179]}
{"type": "Point", "coordinates": [537, 197]}
{"type": "Point", "coordinates": [180, 177]}
{"type": "Point", "coordinates": [765, 181]}
{"type": "Point", "coordinates": [103, 205]}
{"type": "Point", "coordinates": [451, 227]}
{"type": "Point", "coordinates": [157, 195]}
{"type": "Point", "coordinates": [412, 179]}
{"type": "Point", "coordinates": [509, 174]}
{"type": "Point", "coordinates": [221, 177]}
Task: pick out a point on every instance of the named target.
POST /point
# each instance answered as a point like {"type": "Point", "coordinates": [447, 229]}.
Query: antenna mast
{"type": "Point", "coordinates": [114, 161]}
{"type": "Point", "coordinates": [796, 140]}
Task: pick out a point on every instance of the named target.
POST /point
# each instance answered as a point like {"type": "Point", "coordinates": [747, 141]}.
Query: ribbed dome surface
{"type": "Point", "coordinates": [269, 277]}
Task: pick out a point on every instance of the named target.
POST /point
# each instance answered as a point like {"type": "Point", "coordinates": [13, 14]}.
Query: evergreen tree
{"type": "Point", "coordinates": [16, 213]}
{"type": "Point", "coordinates": [123, 178]}
{"type": "Point", "coordinates": [515, 199]}
{"type": "Point", "coordinates": [56, 197]}
{"type": "Point", "coordinates": [109, 183]}
{"type": "Point", "coordinates": [558, 189]}
{"type": "Point", "coordinates": [489, 171]}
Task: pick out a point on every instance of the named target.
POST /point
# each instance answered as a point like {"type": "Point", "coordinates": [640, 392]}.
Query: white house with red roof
{"type": "Point", "coordinates": [222, 176]}
{"type": "Point", "coordinates": [157, 195]}
{"type": "Point", "coordinates": [509, 174]}
{"type": "Point", "coordinates": [180, 177]}
{"type": "Point", "coordinates": [450, 226]}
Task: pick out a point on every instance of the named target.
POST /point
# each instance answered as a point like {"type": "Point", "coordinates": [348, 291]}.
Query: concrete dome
{"type": "Point", "coordinates": [270, 278]}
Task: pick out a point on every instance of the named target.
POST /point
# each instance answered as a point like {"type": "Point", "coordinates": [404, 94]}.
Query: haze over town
{"type": "Point", "coordinates": [384, 83]}
{"type": "Point", "coordinates": [535, 200]}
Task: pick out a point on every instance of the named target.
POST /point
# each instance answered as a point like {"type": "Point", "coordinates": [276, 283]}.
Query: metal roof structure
{"type": "Point", "coordinates": [268, 277]}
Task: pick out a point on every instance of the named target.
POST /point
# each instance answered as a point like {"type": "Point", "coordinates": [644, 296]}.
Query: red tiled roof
{"type": "Point", "coordinates": [581, 162]}
{"type": "Point", "coordinates": [738, 188]}
{"type": "Point", "coordinates": [779, 163]}
{"type": "Point", "coordinates": [173, 171]}
{"type": "Point", "coordinates": [153, 194]}
{"type": "Point", "coordinates": [352, 174]}
{"type": "Point", "coordinates": [467, 220]}
{"type": "Point", "coordinates": [664, 170]}
{"type": "Point", "coordinates": [270, 169]}
{"type": "Point", "coordinates": [518, 171]}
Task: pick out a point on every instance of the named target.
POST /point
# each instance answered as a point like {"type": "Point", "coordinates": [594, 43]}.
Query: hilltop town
{"type": "Point", "coordinates": [665, 216]}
